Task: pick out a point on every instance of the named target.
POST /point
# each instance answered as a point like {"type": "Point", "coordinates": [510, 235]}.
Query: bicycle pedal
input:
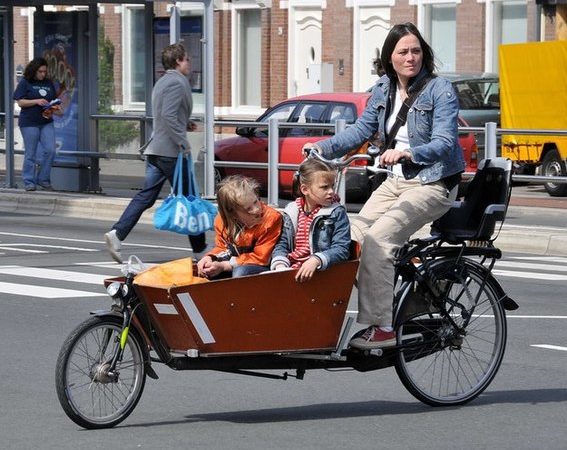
{"type": "Point", "coordinates": [376, 352]}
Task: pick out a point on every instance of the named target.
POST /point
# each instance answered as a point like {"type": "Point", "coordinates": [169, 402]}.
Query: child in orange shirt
{"type": "Point", "coordinates": [246, 231]}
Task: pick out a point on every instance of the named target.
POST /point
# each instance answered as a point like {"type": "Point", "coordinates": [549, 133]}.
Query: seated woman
{"type": "Point", "coordinates": [246, 231]}
{"type": "Point", "coordinates": [316, 230]}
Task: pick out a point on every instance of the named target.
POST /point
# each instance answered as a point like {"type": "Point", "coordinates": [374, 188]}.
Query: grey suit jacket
{"type": "Point", "coordinates": [172, 104]}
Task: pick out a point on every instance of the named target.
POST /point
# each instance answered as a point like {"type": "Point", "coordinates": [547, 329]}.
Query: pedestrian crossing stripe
{"type": "Point", "coordinates": [28, 290]}
{"type": "Point", "coordinates": [528, 265]}
{"type": "Point", "coordinates": [529, 275]}
{"type": "Point", "coordinates": [52, 274]}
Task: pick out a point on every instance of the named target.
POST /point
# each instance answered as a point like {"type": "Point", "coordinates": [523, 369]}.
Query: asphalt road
{"type": "Point", "coordinates": [523, 408]}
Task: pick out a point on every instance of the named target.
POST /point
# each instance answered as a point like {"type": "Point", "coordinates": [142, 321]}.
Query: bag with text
{"type": "Point", "coordinates": [185, 214]}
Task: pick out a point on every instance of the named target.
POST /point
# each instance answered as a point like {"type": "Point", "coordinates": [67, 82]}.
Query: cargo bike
{"type": "Point", "coordinates": [449, 318]}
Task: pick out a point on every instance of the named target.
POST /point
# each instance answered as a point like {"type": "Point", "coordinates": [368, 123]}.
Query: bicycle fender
{"type": "Point", "coordinates": [508, 303]}
{"type": "Point", "coordinates": [105, 312]}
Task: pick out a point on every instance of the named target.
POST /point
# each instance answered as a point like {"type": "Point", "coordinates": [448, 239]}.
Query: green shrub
{"type": "Point", "coordinates": [112, 133]}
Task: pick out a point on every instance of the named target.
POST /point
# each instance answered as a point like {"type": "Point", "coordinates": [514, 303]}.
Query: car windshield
{"type": "Point", "coordinates": [478, 94]}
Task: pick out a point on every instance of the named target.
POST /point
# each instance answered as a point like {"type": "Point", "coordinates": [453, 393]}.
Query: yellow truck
{"type": "Point", "coordinates": [533, 95]}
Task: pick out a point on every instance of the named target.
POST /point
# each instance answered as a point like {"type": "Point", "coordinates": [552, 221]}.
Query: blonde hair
{"type": "Point", "coordinates": [307, 171]}
{"type": "Point", "coordinates": [230, 195]}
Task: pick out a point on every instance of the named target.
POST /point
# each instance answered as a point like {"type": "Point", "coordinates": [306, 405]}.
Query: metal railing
{"type": "Point", "coordinates": [273, 165]}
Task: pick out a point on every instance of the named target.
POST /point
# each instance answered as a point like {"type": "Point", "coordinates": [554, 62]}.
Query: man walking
{"type": "Point", "coordinates": [172, 104]}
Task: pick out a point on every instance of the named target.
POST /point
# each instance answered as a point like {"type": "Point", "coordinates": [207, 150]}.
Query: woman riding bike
{"type": "Point", "coordinates": [426, 152]}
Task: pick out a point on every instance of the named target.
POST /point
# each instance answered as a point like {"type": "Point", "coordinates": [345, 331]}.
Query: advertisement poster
{"type": "Point", "coordinates": [191, 35]}
{"type": "Point", "coordinates": [58, 45]}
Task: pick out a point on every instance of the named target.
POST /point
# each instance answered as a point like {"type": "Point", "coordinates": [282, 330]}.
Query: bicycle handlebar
{"type": "Point", "coordinates": [340, 163]}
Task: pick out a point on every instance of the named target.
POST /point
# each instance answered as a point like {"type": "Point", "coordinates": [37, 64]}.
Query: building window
{"type": "Point", "coordinates": [507, 23]}
{"type": "Point", "coordinates": [247, 61]}
{"type": "Point", "coordinates": [134, 58]}
{"type": "Point", "coordinates": [444, 35]}
{"type": "Point", "coordinates": [440, 30]}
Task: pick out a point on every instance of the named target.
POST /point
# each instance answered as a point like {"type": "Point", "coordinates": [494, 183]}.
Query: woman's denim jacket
{"type": "Point", "coordinates": [329, 235]}
{"type": "Point", "coordinates": [432, 130]}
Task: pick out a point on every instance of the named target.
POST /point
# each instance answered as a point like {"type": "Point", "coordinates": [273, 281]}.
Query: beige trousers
{"type": "Point", "coordinates": [393, 213]}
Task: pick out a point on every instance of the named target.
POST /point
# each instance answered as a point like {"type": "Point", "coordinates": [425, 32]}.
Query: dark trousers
{"type": "Point", "coordinates": [159, 169]}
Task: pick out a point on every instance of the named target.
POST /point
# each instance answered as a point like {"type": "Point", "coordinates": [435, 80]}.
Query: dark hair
{"type": "Point", "coordinates": [32, 68]}
{"type": "Point", "coordinates": [396, 33]}
{"type": "Point", "coordinates": [171, 54]}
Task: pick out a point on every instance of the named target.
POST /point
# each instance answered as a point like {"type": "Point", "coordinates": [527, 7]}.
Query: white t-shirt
{"type": "Point", "coordinates": [402, 139]}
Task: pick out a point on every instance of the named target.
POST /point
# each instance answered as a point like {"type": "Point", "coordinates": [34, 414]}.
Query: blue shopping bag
{"type": "Point", "coordinates": [190, 214]}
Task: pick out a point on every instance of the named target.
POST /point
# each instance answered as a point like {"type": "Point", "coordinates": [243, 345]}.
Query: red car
{"type": "Point", "coordinates": [251, 143]}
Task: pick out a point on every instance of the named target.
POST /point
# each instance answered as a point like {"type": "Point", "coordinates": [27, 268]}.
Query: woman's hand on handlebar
{"type": "Point", "coordinates": [310, 147]}
{"type": "Point", "coordinates": [393, 156]}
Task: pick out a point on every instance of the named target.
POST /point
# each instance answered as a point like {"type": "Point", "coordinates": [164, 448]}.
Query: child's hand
{"type": "Point", "coordinates": [279, 267]}
{"type": "Point", "coordinates": [204, 263]}
{"type": "Point", "coordinates": [307, 269]}
{"type": "Point", "coordinates": [208, 268]}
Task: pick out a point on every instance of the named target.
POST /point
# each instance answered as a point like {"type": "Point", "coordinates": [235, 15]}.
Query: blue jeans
{"type": "Point", "coordinates": [248, 269]}
{"type": "Point", "coordinates": [242, 271]}
{"type": "Point", "coordinates": [39, 149]}
{"type": "Point", "coordinates": [159, 169]}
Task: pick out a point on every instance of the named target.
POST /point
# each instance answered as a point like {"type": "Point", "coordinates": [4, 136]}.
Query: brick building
{"type": "Point", "coordinates": [268, 50]}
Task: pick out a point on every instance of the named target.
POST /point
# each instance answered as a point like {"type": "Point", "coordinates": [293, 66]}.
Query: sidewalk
{"type": "Point", "coordinates": [530, 229]}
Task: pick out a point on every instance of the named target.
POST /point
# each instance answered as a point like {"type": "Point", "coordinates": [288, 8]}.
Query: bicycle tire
{"type": "Point", "coordinates": [444, 367]}
{"type": "Point", "coordinates": [88, 397]}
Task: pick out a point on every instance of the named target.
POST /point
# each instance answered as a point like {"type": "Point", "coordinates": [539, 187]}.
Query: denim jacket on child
{"type": "Point", "coordinates": [329, 235]}
{"type": "Point", "coordinates": [432, 130]}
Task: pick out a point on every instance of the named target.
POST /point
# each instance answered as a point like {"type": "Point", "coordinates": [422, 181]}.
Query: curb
{"type": "Point", "coordinates": [537, 240]}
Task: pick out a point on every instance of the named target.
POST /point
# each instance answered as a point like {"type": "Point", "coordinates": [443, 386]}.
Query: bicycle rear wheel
{"type": "Point", "coordinates": [443, 364]}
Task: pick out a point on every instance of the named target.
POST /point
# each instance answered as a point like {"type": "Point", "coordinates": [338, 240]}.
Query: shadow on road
{"type": "Point", "coordinates": [325, 411]}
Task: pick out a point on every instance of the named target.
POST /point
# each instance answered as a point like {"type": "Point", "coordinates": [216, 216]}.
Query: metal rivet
{"type": "Point", "coordinates": [312, 300]}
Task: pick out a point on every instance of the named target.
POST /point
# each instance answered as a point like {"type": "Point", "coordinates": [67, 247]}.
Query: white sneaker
{"type": "Point", "coordinates": [113, 244]}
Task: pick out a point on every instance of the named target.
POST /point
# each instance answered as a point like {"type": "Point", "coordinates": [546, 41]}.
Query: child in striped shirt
{"type": "Point", "coordinates": [316, 231]}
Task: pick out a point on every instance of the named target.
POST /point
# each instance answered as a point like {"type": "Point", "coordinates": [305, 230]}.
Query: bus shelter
{"type": "Point", "coordinates": [84, 73]}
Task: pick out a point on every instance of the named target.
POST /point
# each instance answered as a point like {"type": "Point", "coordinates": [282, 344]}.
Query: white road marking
{"type": "Point", "coordinates": [531, 275]}
{"type": "Point", "coordinates": [22, 250]}
{"type": "Point", "coordinates": [546, 259]}
{"type": "Point", "coordinates": [550, 347]}
{"type": "Point", "coordinates": [51, 274]}
{"type": "Point", "coordinates": [44, 292]}
{"type": "Point", "coordinates": [87, 241]}
{"type": "Point", "coordinates": [62, 247]}
{"type": "Point", "coordinates": [109, 265]}
{"type": "Point", "coordinates": [527, 265]}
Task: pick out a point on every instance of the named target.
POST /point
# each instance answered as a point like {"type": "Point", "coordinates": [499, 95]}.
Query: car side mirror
{"type": "Point", "coordinates": [244, 131]}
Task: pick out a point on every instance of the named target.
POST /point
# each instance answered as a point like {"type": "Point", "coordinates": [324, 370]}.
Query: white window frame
{"type": "Point", "coordinates": [128, 104]}
{"type": "Point", "coordinates": [489, 38]}
{"type": "Point", "coordinates": [237, 108]}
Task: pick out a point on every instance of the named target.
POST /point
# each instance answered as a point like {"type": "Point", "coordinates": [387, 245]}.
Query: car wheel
{"type": "Point", "coordinates": [553, 166]}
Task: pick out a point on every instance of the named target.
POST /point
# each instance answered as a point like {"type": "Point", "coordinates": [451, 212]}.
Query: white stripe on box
{"type": "Point", "coordinates": [196, 318]}
{"type": "Point", "coordinates": [165, 308]}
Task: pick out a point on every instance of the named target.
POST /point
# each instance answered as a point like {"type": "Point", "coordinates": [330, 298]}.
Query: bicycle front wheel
{"type": "Point", "coordinates": [451, 361]}
{"type": "Point", "coordinates": [90, 394]}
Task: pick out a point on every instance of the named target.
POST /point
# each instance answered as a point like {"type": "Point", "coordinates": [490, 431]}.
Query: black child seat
{"type": "Point", "coordinates": [485, 203]}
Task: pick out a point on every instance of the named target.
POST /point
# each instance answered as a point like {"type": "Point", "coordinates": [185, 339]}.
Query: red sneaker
{"type": "Point", "coordinates": [374, 337]}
